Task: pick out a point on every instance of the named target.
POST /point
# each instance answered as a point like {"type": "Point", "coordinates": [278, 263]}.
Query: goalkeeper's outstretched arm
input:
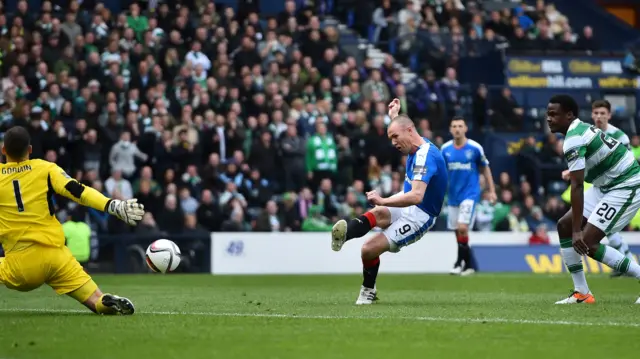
{"type": "Point", "coordinates": [129, 211]}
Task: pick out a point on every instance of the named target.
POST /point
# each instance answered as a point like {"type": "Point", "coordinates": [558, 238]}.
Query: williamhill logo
{"type": "Point", "coordinates": [542, 263]}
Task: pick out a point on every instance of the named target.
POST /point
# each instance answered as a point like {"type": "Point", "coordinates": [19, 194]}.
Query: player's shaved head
{"type": "Point", "coordinates": [403, 135]}
{"type": "Point", "coordinates": [16, 143]}
{"type": "Point", "coordinates": [403, 121]}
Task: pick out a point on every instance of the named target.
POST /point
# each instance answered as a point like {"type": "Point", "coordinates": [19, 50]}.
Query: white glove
{"type": "Point", "coordinates": [129, 211]}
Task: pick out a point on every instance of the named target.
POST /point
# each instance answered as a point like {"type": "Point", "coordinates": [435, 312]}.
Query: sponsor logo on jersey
{"type": "Point", "coordinates": [457, 166]}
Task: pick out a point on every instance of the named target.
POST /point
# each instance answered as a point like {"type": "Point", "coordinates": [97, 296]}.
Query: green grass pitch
{"type": "Point", "coordinates": [295, 317]}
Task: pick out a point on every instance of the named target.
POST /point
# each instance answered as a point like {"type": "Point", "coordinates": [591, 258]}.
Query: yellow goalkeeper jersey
{"type": "Point", "coordinates": [26, 202]}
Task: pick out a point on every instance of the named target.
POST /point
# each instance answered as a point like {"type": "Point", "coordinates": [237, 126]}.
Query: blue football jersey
{"type": "Point", "coordinates": [427, 165]}
{"type": "Point", "coordinates": [464, 176]}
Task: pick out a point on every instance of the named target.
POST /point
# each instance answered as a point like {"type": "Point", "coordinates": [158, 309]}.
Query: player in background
{"type": "Point", "coordinates": [405, 216]}
{"type": "Point", "coordinates": [32, 237]}
{"type": "Point", "coordinates": [465, 161]}
{"type": "Point", "coordinates": [605, 208]}
{"type": "Point", "coordinates": [601, 115]}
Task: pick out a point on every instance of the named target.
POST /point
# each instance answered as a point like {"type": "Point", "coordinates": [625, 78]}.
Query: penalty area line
{"type": "Point", "coordinates": [492, 320]}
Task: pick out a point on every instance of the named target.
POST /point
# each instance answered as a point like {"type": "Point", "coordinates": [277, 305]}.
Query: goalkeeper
{"type": "Point", "coordinates": [32, 237]}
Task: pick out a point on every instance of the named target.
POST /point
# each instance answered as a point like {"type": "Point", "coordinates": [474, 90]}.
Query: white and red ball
{"type": "Point", "coordinates": [163, 256]}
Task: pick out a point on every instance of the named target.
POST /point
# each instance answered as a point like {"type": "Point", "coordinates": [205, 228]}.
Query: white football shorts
{"type": "Point", "coordinates": [612, 211]}
{"type": "Point", "coordinates": [465, 213]}
{"type": "Point", "coordinates": [408, 225]}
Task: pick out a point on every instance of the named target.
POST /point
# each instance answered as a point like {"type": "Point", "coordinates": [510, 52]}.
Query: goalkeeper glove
{"type": "Point", "coordinates": [129, 211]}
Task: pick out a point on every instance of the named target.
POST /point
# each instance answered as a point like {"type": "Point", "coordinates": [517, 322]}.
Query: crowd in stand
{"type": "Point", "coordinates": [218, 121]}
{"type": "Point", "coordinates": [462, 28]}
{"type": "Point", "coordinates": [213, 121]}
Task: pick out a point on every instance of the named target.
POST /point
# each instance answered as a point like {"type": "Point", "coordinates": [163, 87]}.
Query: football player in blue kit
{"type": "Point", "coordinates": [465, 162]}
{"type": "Point", "coordinates": [406, 216]}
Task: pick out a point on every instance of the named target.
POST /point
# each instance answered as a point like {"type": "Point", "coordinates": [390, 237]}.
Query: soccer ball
{"type": "Point", "coordinates": [163, 256]}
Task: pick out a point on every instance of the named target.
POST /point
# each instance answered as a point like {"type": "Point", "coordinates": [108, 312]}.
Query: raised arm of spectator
{"type": "Point", "coordinates": [378, 17]}
{"type": "Point", "coordinates": [141, 155]}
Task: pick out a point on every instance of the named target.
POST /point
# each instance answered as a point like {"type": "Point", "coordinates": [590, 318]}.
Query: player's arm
{"type": "Point", "coordinates": [129, 211]}
{"type": "Point", "coordinates": [624, 140]}
{"type": "Point", "coordinates": [577, 198]}
{"type": "Point", "coordinates": [411, 198]}
{"type": "Point", "coordinates": [66, 186]}
{"type": "Point", "coordinates": [488, 176]}
{"type": "Point", "coordinates": [423, 170]}
{"type": "Point", "coordinates": [574, 152]}
{"type": "Point", "coordinates": [394, 108]}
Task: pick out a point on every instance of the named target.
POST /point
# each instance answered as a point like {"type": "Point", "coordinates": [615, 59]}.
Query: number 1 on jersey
{"type": "Point", "coordinates": [16, 192]}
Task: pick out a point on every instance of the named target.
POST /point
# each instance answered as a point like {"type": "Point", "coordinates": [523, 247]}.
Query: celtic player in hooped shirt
{"type": "Point", "coordinates": [601, 115]}
{"type": "Point", "coordinates": [605, 208]}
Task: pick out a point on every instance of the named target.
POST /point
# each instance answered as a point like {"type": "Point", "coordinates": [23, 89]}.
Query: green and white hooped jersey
{"type": "Point", "coordinates": [617, 134]}
{"type": "Point", "coordinates": [608, 164]}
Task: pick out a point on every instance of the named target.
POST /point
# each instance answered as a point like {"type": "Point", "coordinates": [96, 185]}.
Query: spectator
{"type": "Point", "coordinates": [321, 156]}
{"type": "Point", "coordinates": [269, 219]}
{"type": "Point", "coordinates": [451, 87]}
{"type": "Point", "coordinates": [192, 229]}
{"type": "Point", "coordinates": [327, 200]}
{"type": "Point", "coordinates": [236, 222]}
{"type": "Point", "coordinates": [77, 235]}
{"type": "Point", "coordinates": [315, 222]}
{"type": "Point", "coordinates": [384, 19]}
{"type": "Point", "coordinates": [192, 180]}
{"type": "Point", "coordinates": [117, 183]}
{"type": "Point", "coordinates": [540, 236]}
{"type": "Point", "coordinates": [293, 158]}
{"type": "Point", "coordinates": [149, 198]}
{"type": "Point", "coordinates": [148, 227]}
{"type": "Point", "coordinates": [513, 222]}
{"type": "Point", "coordinates": [507, 115]}
{"type": "Point", "coordinates": [536, 219]}
{"type": "Point", "coordinates": [291, 218]}
{"type": "Point", "coordinates": [263, 155]}
{"type": "Point", "coordinates": [123, 154]}
{"type": "Point", "coordinates": [188, 204]}
{"type": "Point", "coordinates": [375, 89]}
{"type": "Point", "coordinates": [171, 216]}
{"type": "Point", "coordinates": [554, 209]}
{"type": "Point", "coordinates": [146, 174]}
{"type": "Point", "coordinates": [231, 193]}
{"type": "Point", "coordinates": [256, 190]}
{"type": "Point", "coordinates": [586, 40]}
{"type": "Point", "coordinates": [485, 212]}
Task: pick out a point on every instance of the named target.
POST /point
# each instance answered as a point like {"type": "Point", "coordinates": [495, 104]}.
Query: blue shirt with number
{"type": "Point", "coordinates": [427, 165]}
{"type": "Point", "coordinates": [464, 165]}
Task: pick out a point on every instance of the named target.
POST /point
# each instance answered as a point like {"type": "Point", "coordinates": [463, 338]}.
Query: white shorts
{"type": "Point", "coordinates": [611, 212]}
{"type": "Point", "coordinates": [408, 225]}
{"type": "Point", "coordinates": [465, 213]}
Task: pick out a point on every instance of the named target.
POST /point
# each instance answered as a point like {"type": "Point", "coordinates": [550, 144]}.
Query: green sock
{"type": "Point", "coordinates": [616, 260]}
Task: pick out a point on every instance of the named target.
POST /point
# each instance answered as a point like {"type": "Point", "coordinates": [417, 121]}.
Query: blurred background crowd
{"type": "Point", "coordinates": [220, 117]}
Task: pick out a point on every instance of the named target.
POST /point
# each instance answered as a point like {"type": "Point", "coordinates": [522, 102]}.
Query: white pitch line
{"type": "Point", "coordinates": [342, 317]}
